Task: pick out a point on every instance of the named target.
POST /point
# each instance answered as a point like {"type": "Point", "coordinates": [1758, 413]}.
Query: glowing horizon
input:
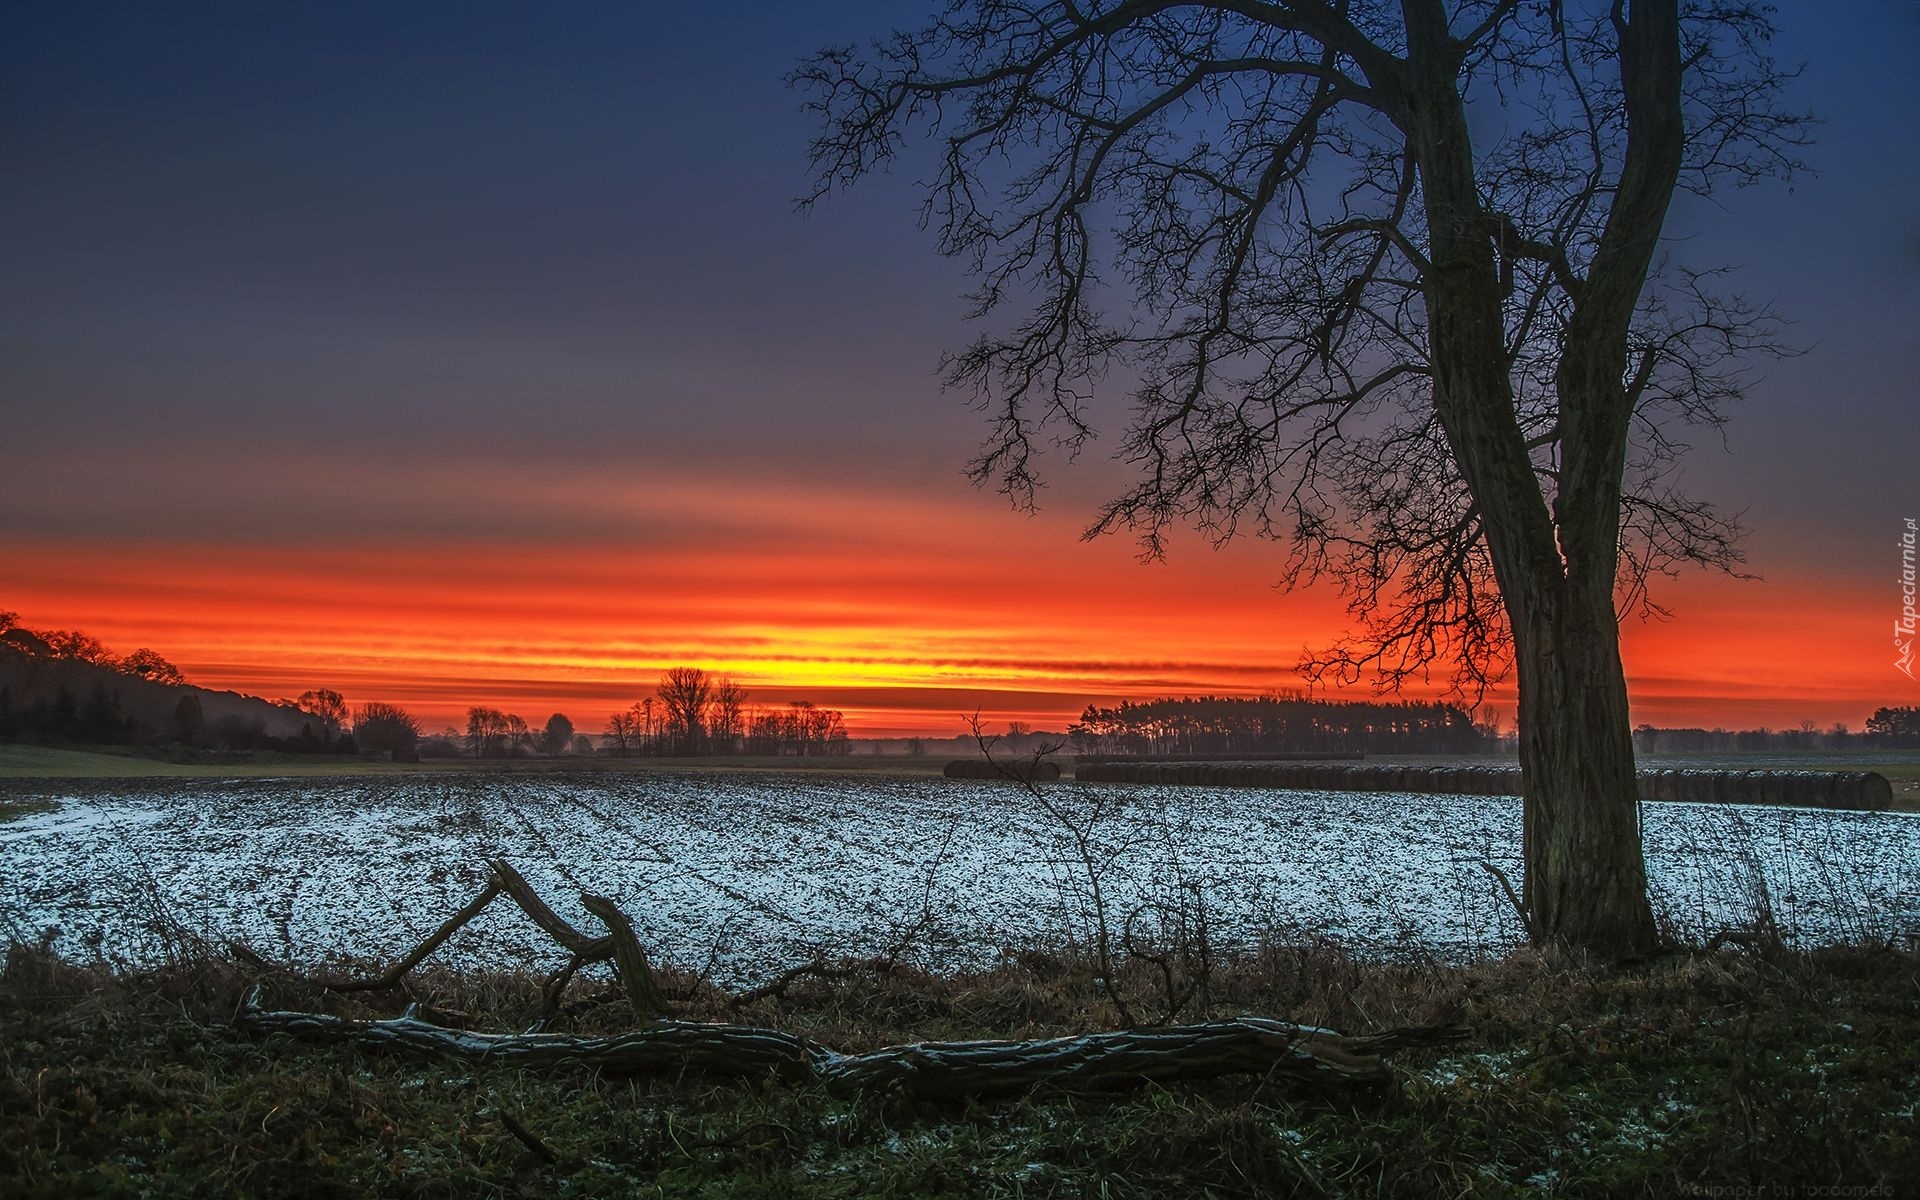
{"type": "Point", "coordinates": [1015, 619]}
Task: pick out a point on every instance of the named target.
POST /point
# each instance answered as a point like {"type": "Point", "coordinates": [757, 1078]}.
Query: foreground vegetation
{"type": "Point", "coordinates": [1736, 1069]}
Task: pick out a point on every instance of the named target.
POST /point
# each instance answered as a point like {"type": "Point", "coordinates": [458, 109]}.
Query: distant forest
{"type": "Point", "coordinates": [63, 687]}
{"type": "Point", "coordinates": [1888, 728]}
{"type": "Point", "coordinates": [1287, 723]}
{"type": "Point", "coordinates": [694, 713]}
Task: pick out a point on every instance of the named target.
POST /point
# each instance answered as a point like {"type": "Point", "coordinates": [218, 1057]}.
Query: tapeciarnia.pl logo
{"type": "Point", "coordinates": [1903, 628]}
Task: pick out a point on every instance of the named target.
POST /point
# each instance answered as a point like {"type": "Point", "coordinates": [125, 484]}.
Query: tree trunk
{"type": "Point", "coordinates": [1586, 878]}
{"type": "Point", "coordinates": [1585, 883]}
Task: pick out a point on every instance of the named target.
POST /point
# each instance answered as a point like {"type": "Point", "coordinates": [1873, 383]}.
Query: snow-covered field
{"type": "Point", "coordinates": [750, 872]}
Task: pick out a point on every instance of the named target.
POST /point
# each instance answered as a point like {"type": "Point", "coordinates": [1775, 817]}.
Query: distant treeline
{"type": "Point", "coordinates": [70, 645]}
{"type": "Point", "coordinates": [694, 713]}
{"type": "Point", "coordinates": [1277, 724]}
{"type": "Point", "coordinates": [63, 686]}
{"type": "Point", "coordinates": [1888, 728]}
{"type": "Point", "coordinates": [66, 687]}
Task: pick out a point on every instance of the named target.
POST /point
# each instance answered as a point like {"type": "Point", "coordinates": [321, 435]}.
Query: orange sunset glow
{"type": "Point", "coordinates": [905, 632]}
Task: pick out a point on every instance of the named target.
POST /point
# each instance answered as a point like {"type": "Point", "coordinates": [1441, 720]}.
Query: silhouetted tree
{"type": "Point", "coordinates": [1895, 726]}
{"type": "Point", "coordinates": [519, 735]}
{"type": "Point", "coordinates": [685, 693]}
{"type": "Point", "coordinates": [327, 707]}
{"type": "Point", "coordinates": [382, 728]}
{"type": "Point", "coordinates": [148, 664]}
{"type": "Point", "coordinates": [802, 727]}
{"type": "Point", "coordinates": [76, 646]}
{"type": "Point", "coordinates": [728, 714]}
{"type": "Point", "coordinates": [649, 729]}
{"type": "Point", "coordinates": [1283, 723]}
{"type": "Point", "coordinates": [1396, 301]}
{"type": "Point", "coordinates": [487, 732]}
{"type": "Point", "coordinates": [621, 733]}
{"type": "Point", "coordinates": [557, 738]}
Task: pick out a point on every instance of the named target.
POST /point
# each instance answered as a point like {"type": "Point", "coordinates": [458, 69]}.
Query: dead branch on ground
{"type": "Point", "coordinates": [1084, 1062]}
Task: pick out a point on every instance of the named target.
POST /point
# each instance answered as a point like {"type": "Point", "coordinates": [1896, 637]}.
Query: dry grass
{"type": "Point", "coordinates": [1730, 1069]}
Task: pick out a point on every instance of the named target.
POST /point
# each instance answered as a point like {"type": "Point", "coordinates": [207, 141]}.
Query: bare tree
{"type": "Point", "coordinates": [1398, 300]}
{"type": "Point", "coordinates": [488, 732]}
{"type": "Point", "coordinates": [621, 734]}
{"type": "Point", "coordinates": [325, 706]}
{"type": "Point", "coordinates": [519, 735]}
{"type": "Point", "coordinates": [649, 730]}
{"type": "Point", "coordinates": [386, 728]}
{"type": "Point", "coordinates": [729, 713]}
{"type": "Point", "coordinates": [685, 692]}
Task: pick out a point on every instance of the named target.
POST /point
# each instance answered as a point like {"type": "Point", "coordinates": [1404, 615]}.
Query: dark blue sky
{"type": "Point", "coordinates": [236, 221]}
{"type": "Point", "coordinates": [264, 222]}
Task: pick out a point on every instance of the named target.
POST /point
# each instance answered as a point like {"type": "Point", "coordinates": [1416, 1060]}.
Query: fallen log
{"type": "Point", "coordinates": [629, 960]}
{"type": "Point", "coordinates": [1124, 1058]}
{"type": "Point", "coordinates": [1099, 1061]}
{"type": "Point", "coordinates": [504, 880]}
{"type": "Point", "coordinates": [1091, 1062]}
{"type": "Point", "coordinates": [662, 1047]}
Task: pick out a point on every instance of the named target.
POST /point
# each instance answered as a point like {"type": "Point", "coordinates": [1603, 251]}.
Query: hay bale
{"type": "Point", "coordinates": [1693, 787]}
{"type": "Point", "coordinates": [1799, 789]}
{"type": "Point", "coordinates": [1869, 789]}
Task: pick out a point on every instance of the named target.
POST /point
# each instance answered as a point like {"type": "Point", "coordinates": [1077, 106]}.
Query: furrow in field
{"type": "Point", "coordinates": [758, 870]}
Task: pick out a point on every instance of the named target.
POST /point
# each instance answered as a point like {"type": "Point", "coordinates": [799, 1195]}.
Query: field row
{"type": "Point", "coordinates": [748, 873]}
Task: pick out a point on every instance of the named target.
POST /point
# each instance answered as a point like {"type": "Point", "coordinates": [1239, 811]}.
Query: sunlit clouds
{"type": "Point", "coordinates": [905, 608]}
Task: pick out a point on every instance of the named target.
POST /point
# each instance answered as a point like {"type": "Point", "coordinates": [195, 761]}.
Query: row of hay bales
{"type": "Point", "coordinates": [1799, 789]}
{"type": "Point", "coordinates": [1330, 777]}
{"type": "Point", "coordinates": [1805, 789]}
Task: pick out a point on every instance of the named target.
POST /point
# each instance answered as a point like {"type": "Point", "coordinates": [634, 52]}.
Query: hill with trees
{"type": "Point", "coordinates": [64, 686]}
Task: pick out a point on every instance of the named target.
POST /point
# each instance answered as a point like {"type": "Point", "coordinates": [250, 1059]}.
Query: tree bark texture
{"type": "Point", "coordinates": [1091, 1062]}
{"type": "Point", "coordinates": [1556, 562]}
